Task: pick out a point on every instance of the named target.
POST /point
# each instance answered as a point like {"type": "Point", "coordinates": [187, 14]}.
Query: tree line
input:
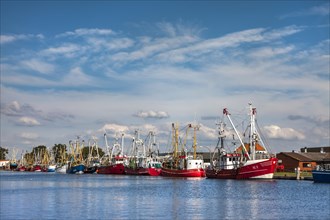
{"type": "Point", "coordinates": [59, 154]}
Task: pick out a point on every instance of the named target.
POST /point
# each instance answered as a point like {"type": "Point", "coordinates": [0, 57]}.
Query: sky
{"type": "Point", "coordinates": [83, 68]}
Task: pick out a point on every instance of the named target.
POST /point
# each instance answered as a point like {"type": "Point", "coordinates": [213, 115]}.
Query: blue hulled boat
{"type": "Point", "coordinates": [75, 166]}
{"type": "Point", "coordinates": [78, 169]}
{"type": "Point", "coordinates": [321, 175]}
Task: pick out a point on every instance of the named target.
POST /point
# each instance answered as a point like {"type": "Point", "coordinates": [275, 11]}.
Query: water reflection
{"type": "Point", "coordinates": [40, 196]}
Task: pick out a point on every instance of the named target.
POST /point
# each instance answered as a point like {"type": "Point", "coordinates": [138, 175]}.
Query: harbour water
{"type": "Point", "coordinates": [29, 195]}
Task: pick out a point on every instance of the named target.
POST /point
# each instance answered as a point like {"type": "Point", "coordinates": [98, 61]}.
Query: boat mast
{"type": "Point", "coordinates": [225, 112]}
{"type": "Point", "coordinates": [80, 148]}
{"type": "Point", "coordinates": [149, 143]}
{"type": "Point", "coordinates": [185, 140]}
{"type": "Point", "coordinates": [122, 145]}
{"type": "Point", "coordinates": [72, 151]}
{"type": "Point", "coordinates": [90, 149]}
{"type": "Point", "coordinates": [221, 135]}
{"type": "Point", "coordinates": [175, 141]}
{"type": "Point", "coordinates": [154, 144]}
{"type": "Point", "coordinates": [97, 148]}
{"type": "Point", "coordinates": [253, 134]}
{"type": "Point", "coordinates": [196, 127]}
{"type": "Point", "coordinates": [106, 143]}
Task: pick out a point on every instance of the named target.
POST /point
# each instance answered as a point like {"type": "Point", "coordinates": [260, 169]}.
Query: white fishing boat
{"type": "Point", "coordinates": [62, 168]}
{"type": "Point", "coordinates": [180, 164]}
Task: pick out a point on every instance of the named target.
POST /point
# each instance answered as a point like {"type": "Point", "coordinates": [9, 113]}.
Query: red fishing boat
{"type": "Point", "coordinates": [143, 161]}
{"type": "Point", "coordinates": [37, 168]}
{"type": "Point", "coordinates": [179, 164]}
{"type": "Point", "coordinates": [113, 168]}
{"type": "Point", "coordinates": [21, 168]}
{"type": "Point", "coordinates": [115, 161]}
{"type": "Point", "coordinates": [249, 160]}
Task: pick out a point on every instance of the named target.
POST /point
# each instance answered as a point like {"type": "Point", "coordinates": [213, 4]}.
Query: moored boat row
{"type": "Point", "coordinates": [249, 160]}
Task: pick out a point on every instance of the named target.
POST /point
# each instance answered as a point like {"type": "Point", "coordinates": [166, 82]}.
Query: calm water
{"type": "Point", "coordinates": [27, 195]}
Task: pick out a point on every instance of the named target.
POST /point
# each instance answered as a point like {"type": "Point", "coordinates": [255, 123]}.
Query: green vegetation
{"type": "Point", "coordinates": [3, 153]}
{"type": "Point", "coordinates": [85, 152]}
{"type": "Point", "coordinates": [60, 153]}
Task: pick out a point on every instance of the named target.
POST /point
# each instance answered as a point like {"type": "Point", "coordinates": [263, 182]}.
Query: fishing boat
{"type": "Point", "coordinates": [62, 161]}
{"type": "Point", "coordinates": [321, 174]}
{"type": "Point", "coordinates": [93, 159]}
{"type": "Point", "coordinates": [61, 168]}
{"type": "Point", "coordinates": [142, 161]}
{"type": "Point", "coordinates": [114, 163]}
{"type": "Point", "coordinates": [13, 165]}
{"type": "Point", "coordinates": [249, 160]}
{"type": "Point", "coordinates": [75, 164]}
{"type": "Point", "coordinates": [153, 161]}
{"type": "Point", "coordinates": [21, 167]}
{"type": "Point", "coordinates": [51, 168]}
{"type": "Point", "coordinates": [37, 168]}
{"type": "Point", "coordinates": [180, 164]}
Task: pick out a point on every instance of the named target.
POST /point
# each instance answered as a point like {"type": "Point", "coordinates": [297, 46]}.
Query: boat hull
{"type": "Point", "coordinates": [183, 173]}
{"type": "Point", "coordinates": [91, 170]}
{"type": "Point", "coordinates": [143, 171]}
{"type": "Point", "coordinates": [51, 168]}
{"type": "Point", "coordinates": [61, 169]}
{"type": "Point", "coordinates": [21, 168]}
{"type": "Point", "coordinates": [112, 169]}
{"type": "Point", "coordinates": [79, 169]}
{"type": "Point", "coordinates": [257, 169]}
{"type": "Point", "coordinates": [321, 176]}
{"type": "Point", "coordinates": [136, 171]}
{"type": "Point", "coordinates": [37, 168]}
{"type": "Point", "coordinates": [154, 171]}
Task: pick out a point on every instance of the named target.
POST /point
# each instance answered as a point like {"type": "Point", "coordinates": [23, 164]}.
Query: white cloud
{"type": "Point", "coordinates": [114, 128]}
{"type": "Point", "coordinates": [7, 38]}
{"type": "Point", "coordinates": [29, 136]}
{"type": "Point", "coordinates": [152, 114]}
{"type": "Point", "coordinates": [275, 34]}
{"type": "Point", "coordinates": [86, 31]}
{"type": "Point", "coordinates": [153, 47]}
{"type": "Point", "coordinates": [268, 52]}
{"type": "Point", "coordinates": [15, 37]}
{"type": "Point", "coordinates": [207, 132]}
{"type": "Point", "coordinates": [320, 10]}
{"type": "Point", "coordinates": [77, 77]}
{"type": "Point", "coordinates": [67, 50]}
{"type": "Point", "coordinates": [109, 44]}
{"type": "Point", "coordinates": [11, 109]}
{"type": "Point", "coordinates": [29, 121]}
{"type": "Point", "coordinates": [232, 40]}
{"type": "Point", "coordinates": [274, 131]}
{"type": "Point", "coordinates": [39, 66]}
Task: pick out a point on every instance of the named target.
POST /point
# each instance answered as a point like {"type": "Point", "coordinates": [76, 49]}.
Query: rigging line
{"type": "Point", "coordinates": [264, 139]}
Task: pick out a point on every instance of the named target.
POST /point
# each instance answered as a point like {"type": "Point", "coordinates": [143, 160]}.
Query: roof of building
{"type": "Point", "coordinates": [309, 156]}
{"type": "Point", "coordinates": [247, 147]}
{"type": "Point", "coordinates": [315, 149]}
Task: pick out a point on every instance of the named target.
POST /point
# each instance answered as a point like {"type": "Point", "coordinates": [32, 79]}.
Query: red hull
{"type": "Point", "coordinates": [260, 170]}
{"type": "Point", "coordinates": [112, 169]}
{"type": "Point", "coordinates": [183, 173]}
{"type": "Point", "coordinates": [143, 171]}
{"type": "Point", "coordinates": [154, 171]}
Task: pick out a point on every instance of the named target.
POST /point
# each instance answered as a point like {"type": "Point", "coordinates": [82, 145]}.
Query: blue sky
{"type": "Point", "coordinates": [86, 67]}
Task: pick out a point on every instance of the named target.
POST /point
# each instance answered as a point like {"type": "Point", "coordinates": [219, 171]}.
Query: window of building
{"type": "Point", "coordinates": [307, 165]}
